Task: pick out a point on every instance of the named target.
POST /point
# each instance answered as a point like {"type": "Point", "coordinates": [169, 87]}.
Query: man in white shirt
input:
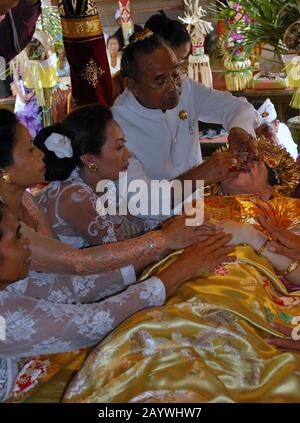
{"type": "Point", "coordinates": [271, 127]}
{"type": "Point", "coordinates": [159, 113]}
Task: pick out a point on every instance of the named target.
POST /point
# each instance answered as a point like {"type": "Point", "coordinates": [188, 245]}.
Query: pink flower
{"type": "Point", "coordinates": [247, 19]}
{"type": "Point", "coordinates": [221, 270]}
{"type": "Point", "coordinates": [237, 7]}
{"type": "Point", "coordinates": [238, 17]}
{"type": "Point", "coordinates": [237, 36]}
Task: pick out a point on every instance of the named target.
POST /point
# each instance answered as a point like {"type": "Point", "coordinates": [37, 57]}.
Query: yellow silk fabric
{"type": "Point", "coordinates": [207, 343]}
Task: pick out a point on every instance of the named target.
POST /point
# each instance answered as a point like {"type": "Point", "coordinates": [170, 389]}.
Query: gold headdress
{"type": "Point", "coordinates": [276, 157]}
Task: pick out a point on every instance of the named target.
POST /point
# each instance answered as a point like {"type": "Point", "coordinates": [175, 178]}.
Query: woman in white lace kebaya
{"type": "Point", "coordinates": [54, 312]}
{"type": "Point", "coordinates": [22, 167]}
{"type": "Point", "coordinates": [88, 148]}
{"type": "Point", "coordinates": [33, 323]}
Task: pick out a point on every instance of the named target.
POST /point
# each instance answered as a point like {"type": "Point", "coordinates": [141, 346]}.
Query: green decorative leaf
{"type": "Point", "coordinates": [285, 317]}
{"type": "Point", "coordinates": [269, 315]}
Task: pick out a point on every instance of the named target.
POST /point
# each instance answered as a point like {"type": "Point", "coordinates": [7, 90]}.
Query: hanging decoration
{"type": "Point", "coordinates": [199, 65]}
{"type": "Point", "coordinates": [86, 52]}
{"type": "Point", "coordinates": [127, 21]}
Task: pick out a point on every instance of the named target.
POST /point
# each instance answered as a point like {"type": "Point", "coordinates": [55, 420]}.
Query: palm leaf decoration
{"type": "Point", "coordinates": [49, 21]}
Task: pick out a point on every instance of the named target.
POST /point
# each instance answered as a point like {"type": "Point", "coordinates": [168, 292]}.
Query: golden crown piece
{"type": "Point", "coordinates": [141, 36]}
{"type": "Point", "coordinates": [277, 158]}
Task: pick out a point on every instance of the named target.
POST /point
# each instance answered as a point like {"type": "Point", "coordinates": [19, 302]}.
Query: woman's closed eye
{"type": "Point", "coordinates": [121, 145]}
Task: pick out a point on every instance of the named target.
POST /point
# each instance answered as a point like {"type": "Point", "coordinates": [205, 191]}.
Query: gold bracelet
{"type": "Point", "coordinates": [293, 266]}
{"type": "Point", "coordinates": [264, 246]}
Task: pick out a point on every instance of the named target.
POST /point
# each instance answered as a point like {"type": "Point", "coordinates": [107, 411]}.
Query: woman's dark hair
{"type": "Point", "coordinates": [133, 52]}
{"type": "Point", "coordinates": [8, 123]}
{"type": "Point", "coordinates": [257, 104]}
{"type": "Point", "coordinates": [56, 169]}
{"type": "Point", "coordinates": [271, 176]}
{"type": "Point", "coordinates": [171, 30]}
{"type": "Point", "coordinates": [85, 127]}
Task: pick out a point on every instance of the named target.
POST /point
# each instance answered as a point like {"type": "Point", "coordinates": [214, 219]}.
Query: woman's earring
{"type": "Point", "coordinates": [6, 178]}
{"type": "Point", "coordinates": [93, 167]}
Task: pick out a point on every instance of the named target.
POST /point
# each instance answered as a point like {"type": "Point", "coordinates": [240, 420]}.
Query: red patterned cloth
{"type": "Point", "coordinates": [23, 17]}
{"type": "Point", "coordinates": [86, 52]}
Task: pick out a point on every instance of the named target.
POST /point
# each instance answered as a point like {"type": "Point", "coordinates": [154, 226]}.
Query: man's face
{"type": "Point", "coordinates": [157, 84]}
{"type": "Point", "coordinates": [6, 5]}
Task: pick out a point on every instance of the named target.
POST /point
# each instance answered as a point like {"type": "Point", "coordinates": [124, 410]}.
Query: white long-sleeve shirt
{"type": "Point", "coordinates": [165, 146]}
{"type": "Point", "coordinates": [286, 140]}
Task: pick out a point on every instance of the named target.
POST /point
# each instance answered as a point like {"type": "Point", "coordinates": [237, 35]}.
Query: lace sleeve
{"type": "Point", "coordinates": [93, 228]}
{"type": "Point", "coordinates": [37, 326]}
{"type": "Point", "coordinates": [68, 289]}
{"type": "Point", "coordinates": [34, 216]}
{"type": "Point", "coordinates": [50, 255]}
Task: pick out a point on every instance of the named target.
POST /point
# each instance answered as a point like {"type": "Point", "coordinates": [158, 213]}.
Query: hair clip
{"type": "Point", "coordinates": [141, 36]}
{"type": "Point", "coordinates": [60, 145]}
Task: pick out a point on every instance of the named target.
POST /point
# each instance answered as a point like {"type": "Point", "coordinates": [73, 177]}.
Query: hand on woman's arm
{"type": "Point", "coordinates": [243, 233]}
{"type": "Point", "coordinates": [52, 255]}
{"type": "Point", "coordinates": [285, 242]}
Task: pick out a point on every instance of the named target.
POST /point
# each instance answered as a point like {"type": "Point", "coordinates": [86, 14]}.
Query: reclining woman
{"type": "Point", "coordinates": [208, 342]}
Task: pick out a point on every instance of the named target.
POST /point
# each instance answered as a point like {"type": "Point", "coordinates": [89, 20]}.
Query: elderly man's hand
{"type": "Point", "coordinates": [240, 142]}
{"type": "Point", "coordinates": [220, 166]}
{"type": "Point", "coordinates": [284, 242]}
{"type": "Point", "coordinates": [268, 131]}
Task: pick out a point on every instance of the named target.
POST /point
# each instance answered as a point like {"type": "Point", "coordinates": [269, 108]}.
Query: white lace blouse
{"type": "Point", "coordinates": [52, 312]}
{"type": "Point", "coordinates": [71, 208]}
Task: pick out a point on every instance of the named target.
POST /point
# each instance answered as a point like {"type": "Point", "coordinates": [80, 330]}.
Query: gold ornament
{"type": "Point", "coordinates": [92, 73]}
{"type": "Point", "coordinates": [93, 167]}
{"type": "Point", "coordinates": [183, 115]}
{"type": "Point", "coordinates": [276, 157]}
{"type": "Point", "coordinates": [141, 36]}
{"type": "Point", "coordinates": [6, 178]}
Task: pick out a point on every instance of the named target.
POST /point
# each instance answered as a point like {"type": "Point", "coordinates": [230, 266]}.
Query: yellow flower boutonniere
{"type": "Point", "coordinates": [183, 115]}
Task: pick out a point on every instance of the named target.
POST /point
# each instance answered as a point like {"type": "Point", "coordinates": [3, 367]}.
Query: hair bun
{"type": "Point", "coordinates": [164, 15]}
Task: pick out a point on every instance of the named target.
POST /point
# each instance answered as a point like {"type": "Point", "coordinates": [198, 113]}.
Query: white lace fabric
{"type": "Point", "coordinates": [47, 313]}
{"type": "Point", "coordinates": [71, 207]}
{"type": "Point", "coordinates": [57, 321]}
